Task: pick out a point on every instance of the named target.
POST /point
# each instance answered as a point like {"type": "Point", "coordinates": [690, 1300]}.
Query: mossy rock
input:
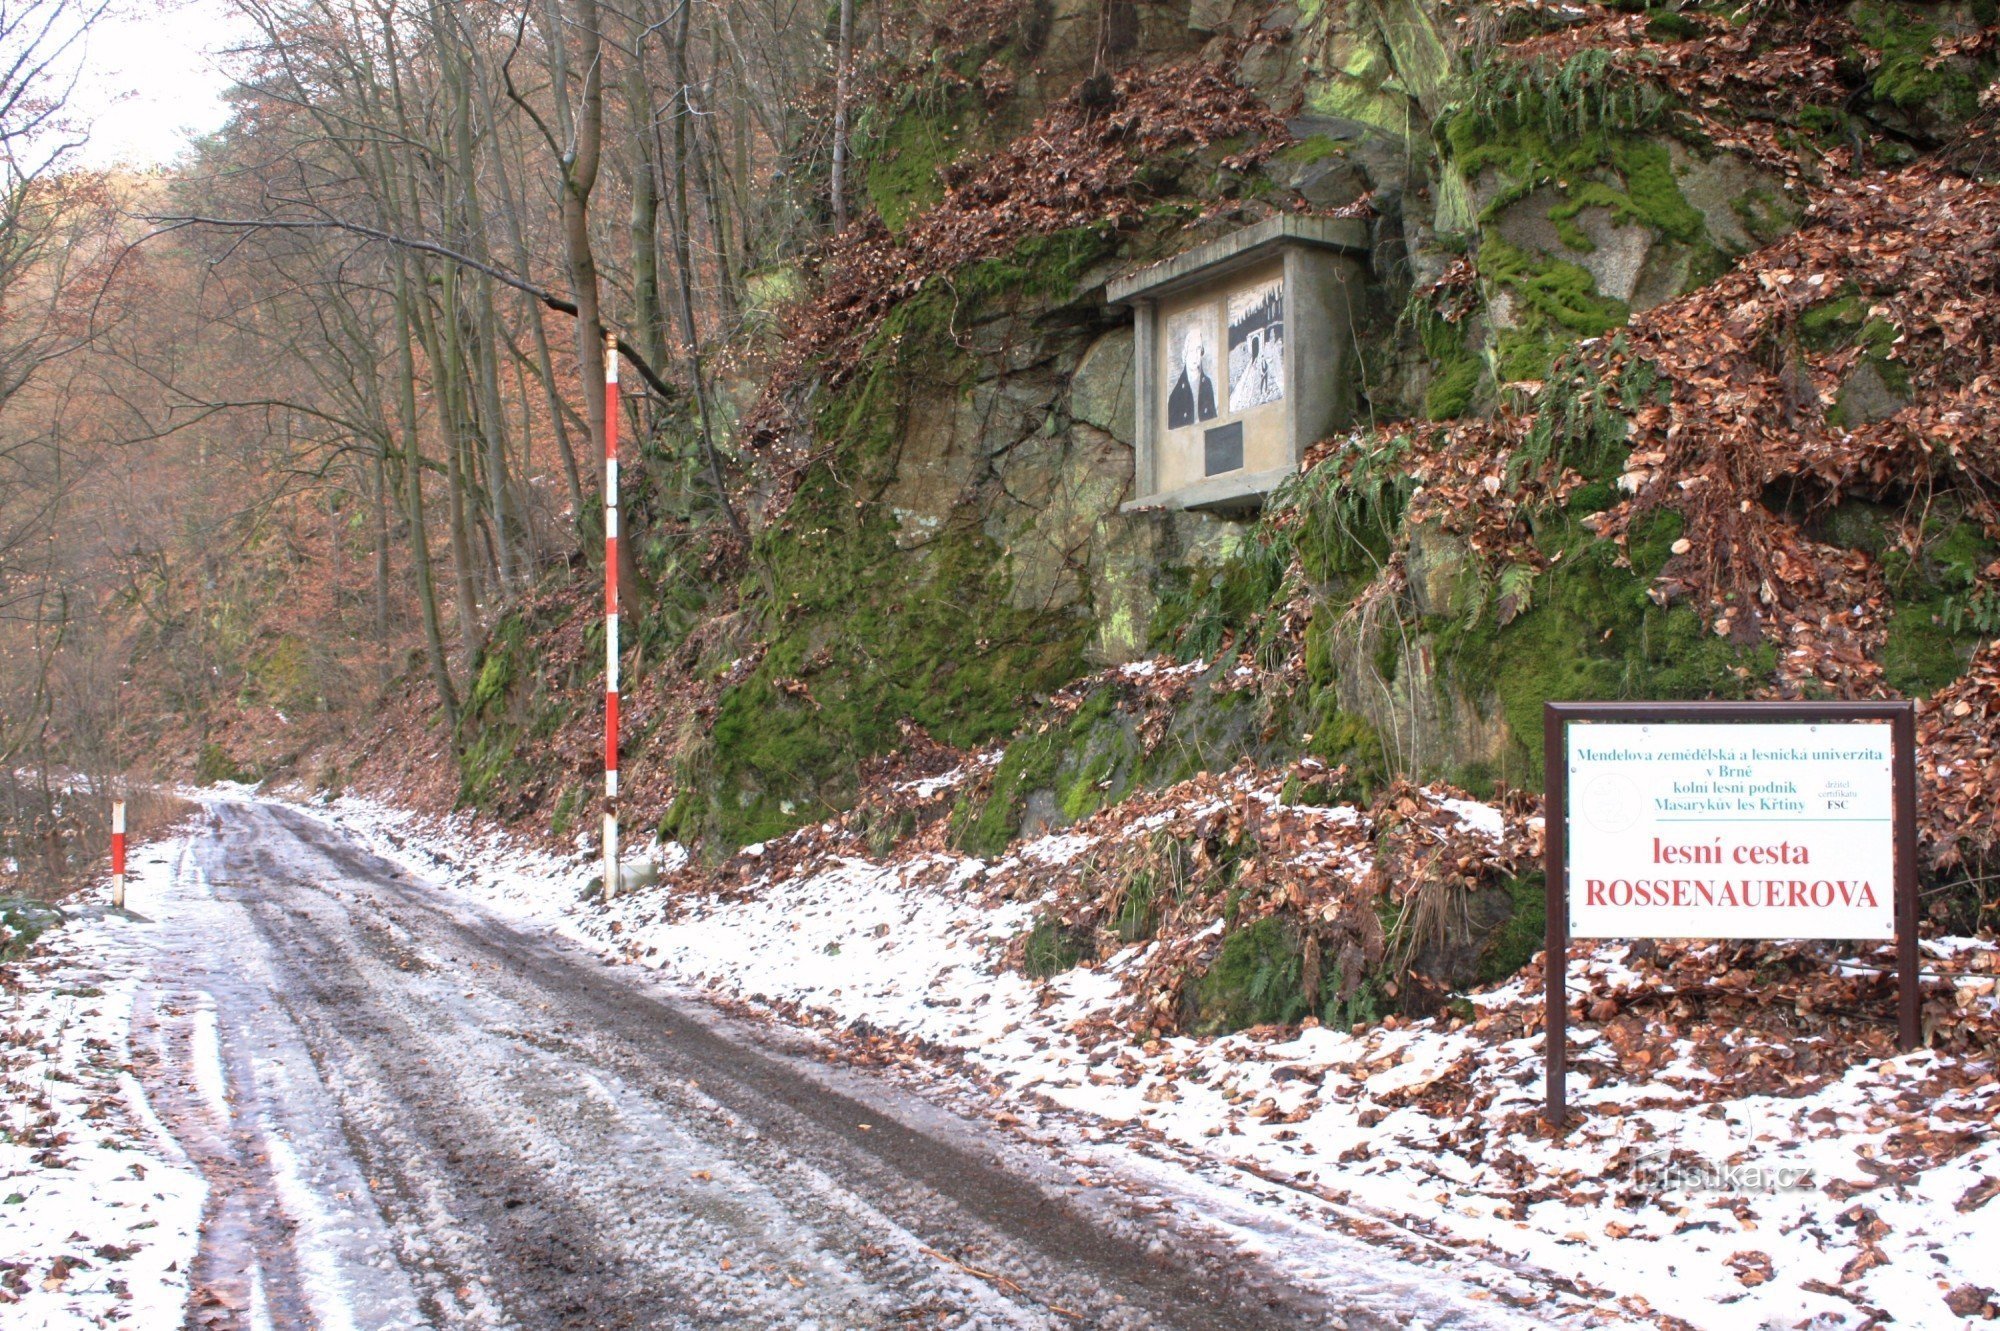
{"type": "Point", "coordinates": [1521, 934]}
{"type": "Point", "coordinates": [1074, 762]}
{"type": "Point", "coordinates": [507, 707]}
{"type": "Point", "coordinates": [903, 149]}
{"type": "Point", "coordinates": [1051, 948]}
{"type": "Point", "coordinates": [1909, 83]}
{"type": "Point", "coordinates": [866, 629]}
{"type": "Point", "coordinates": [1593, 632]}
{"type": "Point", "coordinates": [290, 675]}
{"type": "Point", "coordinates": [1941, 611]}
{"type": "Point", "coordinates": [22, 922]}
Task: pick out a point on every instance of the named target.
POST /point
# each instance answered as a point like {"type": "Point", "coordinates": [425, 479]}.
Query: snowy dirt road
{"type": "Point", "coordinates": [412, 1113]}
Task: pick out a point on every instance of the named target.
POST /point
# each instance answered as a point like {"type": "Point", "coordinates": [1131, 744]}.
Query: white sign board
{"type": "Point", "coordinates": [1707, 830]}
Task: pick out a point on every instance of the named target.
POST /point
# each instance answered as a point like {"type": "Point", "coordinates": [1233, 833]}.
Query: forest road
{"type": "Point", "coordinates": [414, 1113]}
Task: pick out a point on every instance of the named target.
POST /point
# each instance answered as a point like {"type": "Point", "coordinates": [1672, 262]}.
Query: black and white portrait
{"type": "Point", "coordinates": [1190, 368]}
{"type": "Point", "coordinates": [1257, 345]}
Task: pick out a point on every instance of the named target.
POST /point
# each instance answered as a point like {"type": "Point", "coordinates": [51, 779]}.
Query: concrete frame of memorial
{"type": "Point", "coordinates": [1244, 358]}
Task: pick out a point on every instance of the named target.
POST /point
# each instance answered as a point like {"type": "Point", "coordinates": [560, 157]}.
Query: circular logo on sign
{"type": "Point", "coordinates": [1612, 804]}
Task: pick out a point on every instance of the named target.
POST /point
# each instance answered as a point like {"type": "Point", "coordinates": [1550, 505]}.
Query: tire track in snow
{"type": "Point", "coordinates": [596, 1154]}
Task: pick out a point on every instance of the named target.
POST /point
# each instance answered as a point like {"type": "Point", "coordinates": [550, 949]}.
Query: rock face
{"type": "Point", "coordinates": [1100, 392]}
{"type": "Point", "coordinates": [1742, 206]}
{"type": "Point", "coordinates": [1628, 261]}
{"type": "Point", "coordinates": [1389, 676]}
{"type": "Point", "coordinates": [1868, 396]}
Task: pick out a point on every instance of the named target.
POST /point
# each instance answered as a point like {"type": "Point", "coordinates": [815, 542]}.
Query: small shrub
{"type": "Point", "coordinates": [1051, 948]}
{"type": "Point", "coordinates": [216, 765]}
{"type": "Point", "coordinates": [1257, 978]}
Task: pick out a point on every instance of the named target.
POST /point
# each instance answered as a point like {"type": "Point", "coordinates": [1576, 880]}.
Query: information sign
{"type": "Point", "coordinates": [1728, 820]}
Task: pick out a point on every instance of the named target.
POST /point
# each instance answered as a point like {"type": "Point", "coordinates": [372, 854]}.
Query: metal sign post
{"type": "Point", "coordinates": [610, 615]}
{"type": "Point", "coordinates": [1759, 903]}
{"type": "Point", "coordinates": [118, 854]}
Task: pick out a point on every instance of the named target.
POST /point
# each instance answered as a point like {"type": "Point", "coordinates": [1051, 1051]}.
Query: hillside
{"type": "Point", "coordinates": [1665, 365]}
{"type": "Point", "coordinates": [1676, 363]}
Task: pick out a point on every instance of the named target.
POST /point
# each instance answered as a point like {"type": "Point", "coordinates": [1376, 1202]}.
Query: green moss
{"type": "Point", "coordinates": [1904, 78]}
{"type": "Point", "coordinates": [1364, 98]}
{"type": "Point", "coordinates": [1920, 655]}
{"type": "Point", "coordinates": [1339, 737]}
{"type": "Point", "coordinates": [1879, 337]}
{"type": "Point", "coordinates": [489, 766]}
{"type": "Point", "coordinates": [1085, 793]}
{"type": "Point", "coordinates": [1594, 497]}
{"type": "Point", "coordinates": [867, 629]}
{"type": "Point", "coordinates": [1650, 541]}
{"type": "Point", "coordinates": [1765, 214]}
{"type": "Point", "coordinates": [1856, 524]}
{"type": "Point", "coordinates": [1201, 607]}
{"type": "Point", "coordinates": [1456, 369]}
{"type": "Point", "coordinates": [684, 817]}
{"type": "Point", "coordinates": [926, 636]}
{"type": "Point", "coordinates": [1031, 763]}
{"type": "Point", "coordinates": [1582, 130]}
{"type": "Point", "coordinates": [500, 709]}
{"type": "Point", "coordinates": [1312, 148]}
{"type": "Point", "coordinates": [286, 674]}
{"type": "Point", "coordinates": [1941, 610]}
{"type": "Point", "coordinates": [1255, 979]}
{"type": "Point", "coordinates": [1594, 633]}
{"type": "Point", "coordinates": [768, 290]}
{"type": "Point", "coordinates": [1349, 511]}
{"type": "Point", "coordinates": [1558, 304]}
{"type": "Point", "coordinates": [1537, 122]}
{"type": "Point", "coordinates": [499, 664]}
{"type": "Point", "coordinates": [1651, 197]}
{"type": "Point", "coordinates": [1834, 322]}
{"type": "Point", "coordinates": [920, 135]}
{"type": "Point", "coordinates": [1043, 268]}
{"type": "Point", "coordinates": [1666, 25]}
{"type": "Point", "coordinates": [1561, 293]}
{"type": "Point", "coordinates": [1842, 320]}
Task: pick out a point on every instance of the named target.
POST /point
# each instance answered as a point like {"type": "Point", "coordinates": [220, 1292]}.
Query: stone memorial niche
{"type": "Point", "coordinates": [1245, 358]}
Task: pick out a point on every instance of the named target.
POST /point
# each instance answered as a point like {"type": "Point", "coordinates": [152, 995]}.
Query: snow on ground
{"type": "Point", "coordinates": [99, 1207]}
{"type": "Point", "coordinates": [1409, 1132]}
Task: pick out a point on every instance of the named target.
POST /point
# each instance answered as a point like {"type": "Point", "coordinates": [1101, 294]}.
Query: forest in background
{"type": "Point", "coordinates": [301, 416]}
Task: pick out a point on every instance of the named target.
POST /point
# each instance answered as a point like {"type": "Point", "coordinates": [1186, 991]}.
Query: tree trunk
{"type": "Point", "coordinates": [413, 484]}
{"type": "Point", "coordinates": [843, 61]}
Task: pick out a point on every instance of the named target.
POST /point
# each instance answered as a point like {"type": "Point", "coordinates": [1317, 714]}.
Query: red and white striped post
{"type": "Point", "coordinates": [118, 854]}
{"type": "Point", "coordinates": [610, 615]}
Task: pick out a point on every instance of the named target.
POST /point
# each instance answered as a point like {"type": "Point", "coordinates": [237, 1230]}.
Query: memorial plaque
{"type": "Point", "coordinates": [1222, 449]}
{"type": "Point", "coordinates": [1244, 353]}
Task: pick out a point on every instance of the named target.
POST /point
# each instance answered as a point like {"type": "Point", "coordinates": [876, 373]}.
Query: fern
{"type": "Point", "coordinates": [1976, 611]}
{"type": "Point", "coordinates": [1517, 588]}
{"type": "Point", "coordinates": [1577, 426]}
{"type": "Point", "coordinates": [1589, 93]}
